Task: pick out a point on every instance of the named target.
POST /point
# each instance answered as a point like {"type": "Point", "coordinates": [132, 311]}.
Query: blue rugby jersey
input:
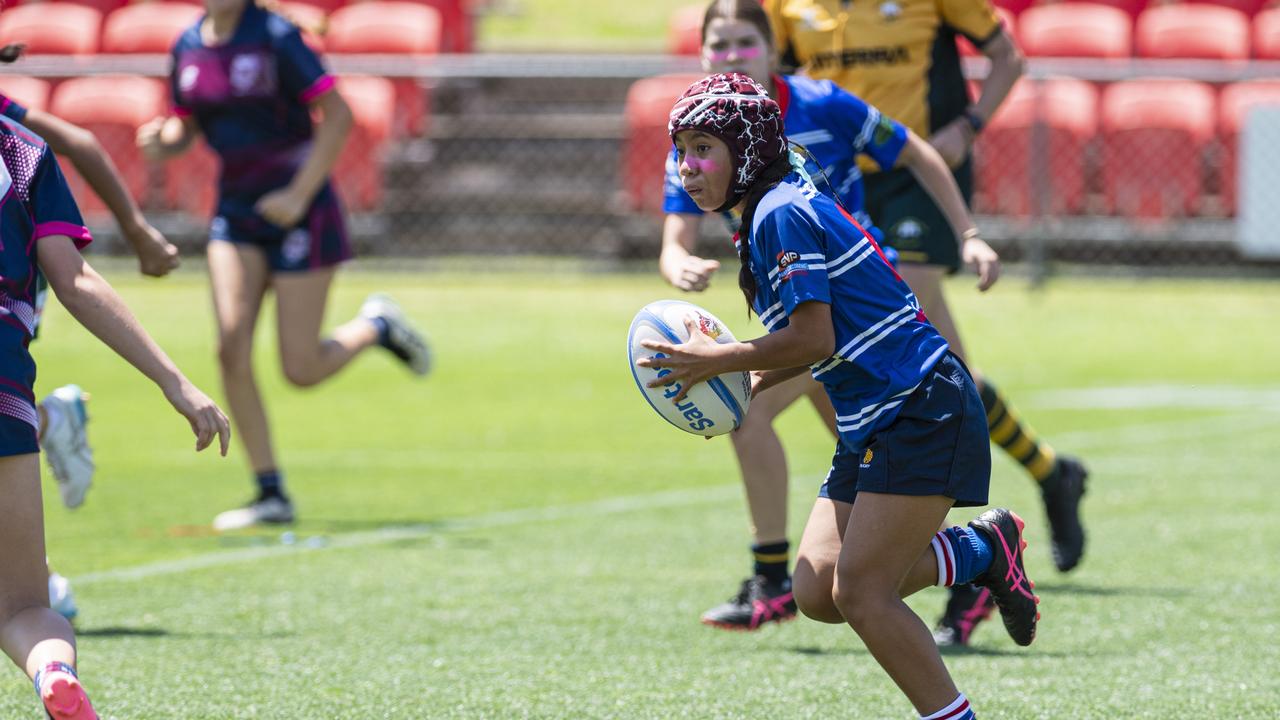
{"type": "Point", "coordinates": [250, 98]}
{"type": "Point", "coordinates": [35, 203]}
{"type": "Point", "coordinates": [805, 248]}
{"type": "Point", "coordinates": [835, 127]}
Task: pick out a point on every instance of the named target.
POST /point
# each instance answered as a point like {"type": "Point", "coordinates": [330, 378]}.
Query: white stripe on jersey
{"type": "Point", "coordinates": [866, 421]}
{"type": "Point", "coordinates": [854, 263]}
{"type": "Point", "coordinates": [772, 315]}
{"type": "Point", "coordinates": [812, 137]}
{"type": "Point", "coordinates": [894, 321]}
{"type": "Point", "coordinates": [864, 137]}
{"type": "Point", "coordinates": [870, 408]}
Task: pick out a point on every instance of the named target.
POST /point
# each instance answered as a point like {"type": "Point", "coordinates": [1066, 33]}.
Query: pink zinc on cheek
{"type": "Point", "coordinates": [701, 165]}
{"type": "Point", "coordinates": [748, 53]}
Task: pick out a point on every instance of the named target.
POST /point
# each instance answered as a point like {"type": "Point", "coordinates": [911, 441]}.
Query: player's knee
{"type": "Point", "coordinates": [300, 371]}
{"type": "Point", "coordinates": [813, 595]}
{"type": "Point", "coordinates": [858, 601]}
{"type": "Point", "coordinates": [235, 354]}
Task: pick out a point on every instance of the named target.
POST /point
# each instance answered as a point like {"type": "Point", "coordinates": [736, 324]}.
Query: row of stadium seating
{"type": "Point", "coordinates": [1097, 30]}
{"type": "Point", "coordinates": [411, 27]}
{"type": "Point", "coordinates": [114, 107]}
{"type": "Point", "coordinates": [1146, 148]}
{"type": "Point", "coordinates": [1134, 8]}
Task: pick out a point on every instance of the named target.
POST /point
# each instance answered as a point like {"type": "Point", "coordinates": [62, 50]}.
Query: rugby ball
{"type": "Point", "coordinates": [714, 407]}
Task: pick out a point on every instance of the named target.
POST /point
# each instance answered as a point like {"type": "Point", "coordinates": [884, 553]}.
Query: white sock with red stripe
{"type": "Point", "coordinates": [958, 710]}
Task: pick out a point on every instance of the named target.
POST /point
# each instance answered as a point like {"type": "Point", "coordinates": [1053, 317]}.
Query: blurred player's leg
{"type": "Point", "coordinates": [397, 334]}
{"type": "Point", "coordinates": [239, 277]}
{"type": "Point", "coordinates": [1061, 478]}
{"type": "Point", "coordinates": [37, 639]}
{"type": "Point", "coordinates": [65, 442]}
{"type": "Point", "coordinates": [308, 358]}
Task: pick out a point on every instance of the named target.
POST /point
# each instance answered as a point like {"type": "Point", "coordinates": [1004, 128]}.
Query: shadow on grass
{"type": "Point", "coordinates": [115, 632]}
{"type": "Point", "coordinates": [950, 651]}
{"type": "Point", "coordinates": [1071, 588]}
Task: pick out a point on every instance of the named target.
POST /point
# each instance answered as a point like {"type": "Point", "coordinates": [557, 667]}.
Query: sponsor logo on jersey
{"type": "Point", "coordinates": [883, 132]}
{"type": "Point", "coordinates": [909, 229]}
{"type": "Point", "coordinates": [187, 78]}
{"type": "Point", "coordinates": [855, 57]}
{"type": "Point", "coordinates": [786, 258]}
{"type": "Point", "coordinates": [245, 73]}
{"type": "Point", "coordinates": [890, 11]}
{"type": "Point", "coordinates": [789, 266]}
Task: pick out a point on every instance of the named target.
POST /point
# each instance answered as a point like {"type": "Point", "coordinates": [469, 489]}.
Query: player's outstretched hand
{"type": "Point", "coordinates": [157, 256]}
{"type": "Point", "coordinates": [695, 273]}
{"type": "Point", "coordinates": [206, 418]}
{"type": "Point", "coordinates": [694, 361]}
{"type": "Point", "coordinates": [979, 255]}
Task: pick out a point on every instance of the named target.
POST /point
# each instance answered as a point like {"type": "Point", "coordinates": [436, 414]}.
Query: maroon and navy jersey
{"type": "Point", "coordinates": [12, 110]}
{"type": "Point", "coordinates": [250, 98]}
{"type": "Point", "coordinates": [35, 203]}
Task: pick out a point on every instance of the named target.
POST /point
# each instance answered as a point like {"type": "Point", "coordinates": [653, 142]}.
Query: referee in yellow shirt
{"type": "Point", "coordinates": [900, 56]}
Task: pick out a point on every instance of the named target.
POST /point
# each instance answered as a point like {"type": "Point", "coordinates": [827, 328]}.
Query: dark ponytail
{"type": "Point", "coordinates": [772, 174]}
{"type": "Point", "coordinates": [10, 53]}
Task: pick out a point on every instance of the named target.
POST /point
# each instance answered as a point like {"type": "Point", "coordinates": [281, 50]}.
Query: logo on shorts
{"type": "Point", "coordinates": [218, 228]}
{"type": "Point", "coordinates": [866, 457]}
{"type": "Point", "coordinates": [296, 247]}
{"type": "Point", "coordinates": [909, 229]}
{"type": "Point", "coordinates": [890, 11]}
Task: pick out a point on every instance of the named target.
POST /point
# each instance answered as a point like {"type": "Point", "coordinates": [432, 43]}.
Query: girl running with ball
{"type": "Point", "coordinates": [836, 129]}
{"type": "Point", "coordinates": [912, 431]}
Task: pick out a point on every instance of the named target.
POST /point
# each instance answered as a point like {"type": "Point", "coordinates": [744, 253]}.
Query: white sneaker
{"type": "Point", "coordinates": [403, 340]}
{"type": "Point", "coordinates": [61, 599]}
{"type": "Point", "coordinates": [66, 444]}
{"type": "Point", "coordinates": [272, 510]}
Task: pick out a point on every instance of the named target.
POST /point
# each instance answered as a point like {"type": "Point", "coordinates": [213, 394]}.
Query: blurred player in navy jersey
{"type": "Point", "coordinates": [834, 128]}
{"type": "Point", "coordinates": [244, 79]}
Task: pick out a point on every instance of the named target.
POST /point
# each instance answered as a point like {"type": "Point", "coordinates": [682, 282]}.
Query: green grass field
{"type": "Point", "coordinates": [570, 25]}
{"type": "Point", "coordinates": [520, 536]}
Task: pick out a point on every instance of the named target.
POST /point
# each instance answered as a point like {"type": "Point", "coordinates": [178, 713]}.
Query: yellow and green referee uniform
{"type": "Point", "coordinates": [899, 56]}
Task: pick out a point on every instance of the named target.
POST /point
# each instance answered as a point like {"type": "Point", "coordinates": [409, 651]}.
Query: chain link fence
{"type": "Point", "coordinates": [1124, 163]}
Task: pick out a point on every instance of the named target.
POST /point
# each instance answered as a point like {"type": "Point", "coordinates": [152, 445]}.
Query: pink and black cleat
{"type": "Point", "coordinates": [968, 606]}
{"type": "Point", "coordinates": [759, 601]}
{"type": "Point", "coordinates": [63, 696]}
{"type": "Point", "coordinates": [1007, 577]}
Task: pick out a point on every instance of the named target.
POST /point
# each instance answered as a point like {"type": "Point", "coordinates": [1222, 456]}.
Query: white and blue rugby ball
{"type": "Point", "coordinates": [714, 407]}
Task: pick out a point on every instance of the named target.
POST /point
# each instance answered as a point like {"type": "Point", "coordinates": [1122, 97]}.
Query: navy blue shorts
{"type": "Point", "coordinates": [937, 445]}
{"type": "Point", "coordinates": [318, 241]}
{"type": "Point", "coordinates": [17, 437]}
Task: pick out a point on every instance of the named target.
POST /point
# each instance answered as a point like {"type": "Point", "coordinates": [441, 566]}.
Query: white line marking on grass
{"type": "Point", "coordinates": [1141, 397]}
{"type": "Point", "coordinates": [1124, 435]}
{"type": "Point", "coordinates": [505, 518]}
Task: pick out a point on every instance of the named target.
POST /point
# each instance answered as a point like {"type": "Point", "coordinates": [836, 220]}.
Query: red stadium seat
{"type": "Point", "coordinates": [1014, 8]}
{"type": "Point", "coordinates": [358, 172]}
{"type": "Point", "coordinates": [1192, 31]}
{"type": "Point", "coordinates": [1006, 19]}
{"type": "Point", "coordinates": [1132, 8]}
{"type": "Point", "coordinates": [112, 108]}
{"type": "Point", "coordinates": [191, 181]}
{"type": "Point", "coordinates": [1009, 160]}
{"type": "Point", "coordinates": [456, 34]}
{"type": "Point", "coordinates": [645, 153]}
{"type": "Point", "coordinates": [149, 28]}
{"type": "Point", "coordinates": [103, 6]}
{"type": "Point", "coordinates": [1266, 35]}
{"type": "Point", "coordinates": [684, 30]}
{"type": "Point", "coordinates": [1155, 133]}
{"type": "Point", "coordinates": [33, 93]}
{"type": "Point", "coordinates": [1248, 7]}
{"type": "Point", "coordinates": [311, 20]}
{"type": "Point", "coordinates": [392, 27]}
{"type": "Point", "coordinates": [1233, 110]}
{"type": "Point", "coordinates": [52, 28]}
{"type": "Point", "coordinates": [1076, 29]}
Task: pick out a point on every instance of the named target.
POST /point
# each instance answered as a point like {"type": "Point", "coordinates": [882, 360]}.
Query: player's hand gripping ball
{"type": "Point", "coordinates": [709, 408]}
